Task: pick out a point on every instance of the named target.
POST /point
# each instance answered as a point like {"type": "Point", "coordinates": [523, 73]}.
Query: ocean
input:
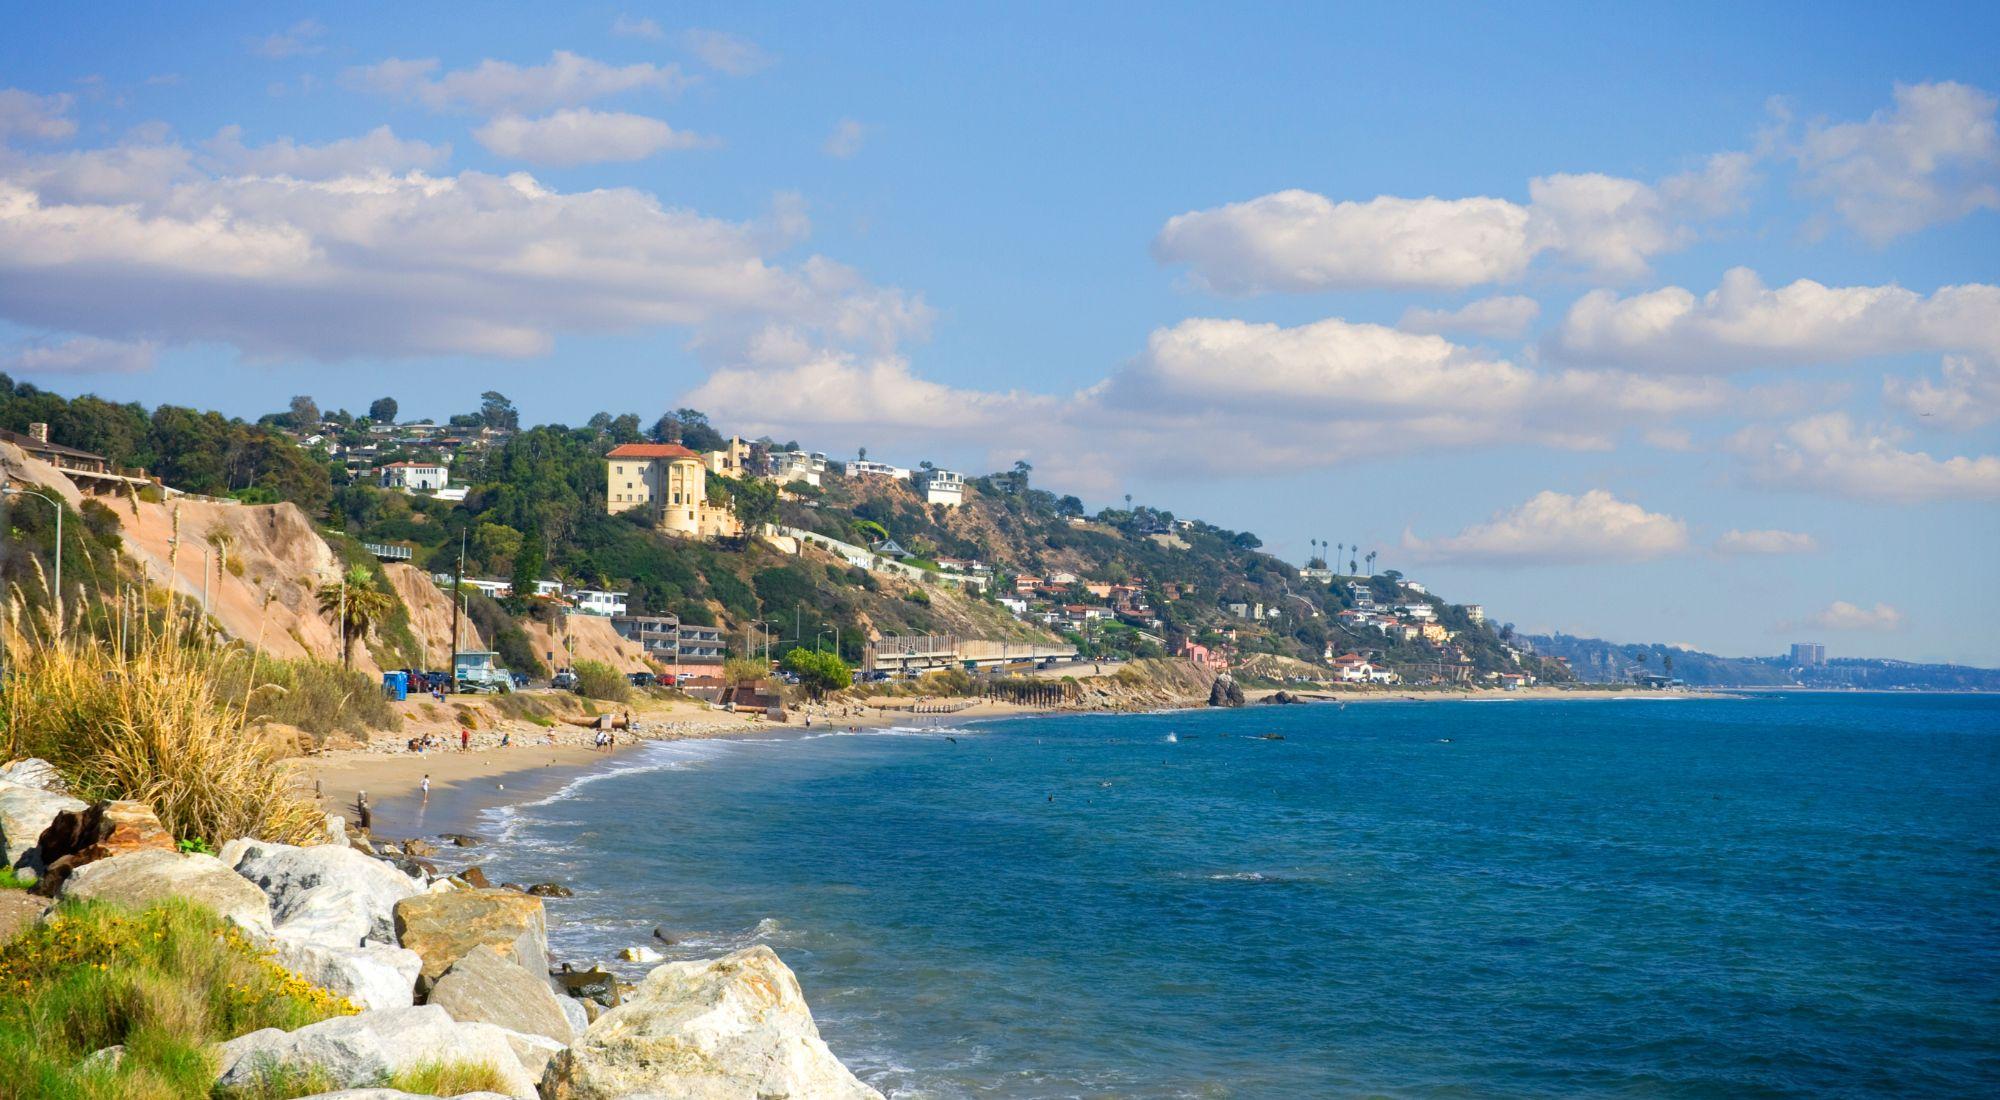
{"type": "Point", "coordinates": [1782, 895]}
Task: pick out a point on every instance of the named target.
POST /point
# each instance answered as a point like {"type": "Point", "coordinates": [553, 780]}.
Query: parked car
{"type": "Point", "coordinates": [563, 680]}
{"type": "Point", "coordinates": [642, 679]}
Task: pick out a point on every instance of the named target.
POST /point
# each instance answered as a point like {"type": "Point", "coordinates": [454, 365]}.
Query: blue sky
{"type": "Point", "coordinates": [1722, 270]}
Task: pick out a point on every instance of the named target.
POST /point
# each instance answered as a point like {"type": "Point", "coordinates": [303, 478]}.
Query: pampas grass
{"type": "Point", "coordinates": [154, 727]}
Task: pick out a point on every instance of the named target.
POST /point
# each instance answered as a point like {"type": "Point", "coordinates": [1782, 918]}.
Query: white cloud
{"type": "Point", "coordinates": [377, 150]}
{"type": "Point", "coordinates": [493, 87]}
{"type": "Point", "coordinates": [1933, 157]}
{"type": "Point", "coordinates": [626, 26]}
{"type": "Point", "coordinates": [582, 136]}
{"type": "Point", "coordinates": [1743, 323]}
{"type": "Point", "coordinates": [1965, 397]}
{"type": "Point", "coordinates": [43, 117]}
{"type": "Point", "coordinates": [1827, 453]}
{"type": "Point", "coordinates": [1841, 615]}
{"type": "Point", "coordinates": [146, 243]}
{"type": "Point", "coordinates": [1765, 542]}
{"type": "Point", "coordinates": [84, 355]}
{"type": "Point", "coordinates": [300, 38]}
{"type": "Point", "coordinates": [1297, 240]}
{"type": "Point", "coordinates": [1554, 528]}
{"type": "Point", "coordinates": [846, 139]}
{"type": "Point", "coordinates": [1502, 318]}
{"type": "Point", "coordinates": [729, 54]}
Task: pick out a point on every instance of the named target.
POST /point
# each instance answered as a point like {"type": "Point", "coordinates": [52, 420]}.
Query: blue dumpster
{"type": "Point", "coordinates": [396, 685]}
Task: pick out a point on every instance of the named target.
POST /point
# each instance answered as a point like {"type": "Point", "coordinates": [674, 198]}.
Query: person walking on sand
{"type": "Point", "coordinates": [425, 786]}
{"type": "Point", "coordinates": [464, 739]}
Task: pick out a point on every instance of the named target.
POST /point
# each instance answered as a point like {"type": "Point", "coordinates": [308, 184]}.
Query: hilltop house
{"type": "Point", "coordinates": [733, 460]}
{"type": "Point", "coordinates": [594, 601]}
{"type": "Point", "coordinates": [790, 466]}
{"type": "Point", "coordinates": [414, 477]}
{"type": "Point", "coordinates": [670, 483]}
{"type": "Point", "coordinates": [1422, 612]}
{"type": "Point", "coordinates": [944, 487]}
{"type": "Point", "coordinates": [863, 468]}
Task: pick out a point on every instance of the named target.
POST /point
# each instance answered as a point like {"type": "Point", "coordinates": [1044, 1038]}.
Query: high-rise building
{"type": "Point", "coordinates": [1808, 655]}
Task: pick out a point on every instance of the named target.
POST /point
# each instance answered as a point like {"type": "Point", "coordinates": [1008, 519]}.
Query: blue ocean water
{"type": "Point", "coordinates": [1781, 896]}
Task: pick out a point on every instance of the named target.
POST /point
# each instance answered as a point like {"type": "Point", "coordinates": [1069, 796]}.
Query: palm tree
{"type": "Point", "coordinates": [354, 604]}
{"type": "Point", "coordinates": [1371, 563]}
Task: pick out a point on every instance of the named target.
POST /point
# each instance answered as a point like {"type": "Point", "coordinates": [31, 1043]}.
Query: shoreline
{"type": "Point", "coordinates": [466, 784]}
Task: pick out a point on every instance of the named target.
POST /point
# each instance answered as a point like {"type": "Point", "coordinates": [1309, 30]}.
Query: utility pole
{"type": "Point", "coordinates": [457, 582]}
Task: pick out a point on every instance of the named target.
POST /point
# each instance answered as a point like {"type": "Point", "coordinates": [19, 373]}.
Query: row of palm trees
{"type": "Point", "coordinates": [1344, 550]}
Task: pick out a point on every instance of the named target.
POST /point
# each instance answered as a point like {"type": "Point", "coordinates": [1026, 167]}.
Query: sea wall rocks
{"type": "Point", "coordinates": [326, 894]}
{"type": "Point", "coordinates": [443, 928]}
{"type": "Point", "coordinates": [25, 813]}
{"type": "Point", "coordinates": [96, 832]}
{"type": "Point", "coordinates": [139, 879]}
{"type": "Point", "coordinates": [487, 987]}
{"type": "Point", "coordinates": [374, 977]}
{"type": "Point", "coordinates": [732, 1027]}
{"type": "Point", "coordinates": [362, 1050]}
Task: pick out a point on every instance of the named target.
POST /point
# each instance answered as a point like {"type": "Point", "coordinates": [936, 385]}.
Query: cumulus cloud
{"type": "Point", "coordinates": [1932, 157]}
{"type": "Point", "coordinates": [493, 87]}
{"type": "Point", "coordinates": [42, 117]}
{"type": "Point", "coordinates": [1829, 453]}
{"type": "Point", "coordinates": [1765, 542]}
{"type": "Point", "coordinates": [1298, 240]}
{"type": "Point", "coordinates": [846, 139]}
{"type": "Point", "coordinates": [627, 26]}
{"type": "Point", "coordinates": [1841, 615]}
{"type": "Point", "coordinates": [1964, 397]}
{"type": "Point", "coordinates": [728, 54]}
{"type": "Point", "coordinates": [1502, 318]}
{"type": "Point", "coordinates": [580, 135]}
{"type": "Point", "coordinates": [84, 355]}
{"type": "Point", "coordinates": [300, 38]}
{"type": "Point", "coordinates": [150, 243]}
{"type": "Point", "coordinates": [1743, 323]}
{"type": "Point", "coordinates": [377, 150]}
{"type": "Point", "coordinates": [1556, 528]}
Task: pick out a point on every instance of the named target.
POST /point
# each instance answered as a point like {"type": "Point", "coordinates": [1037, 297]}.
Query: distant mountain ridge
{"type": "Point", "coordinates": [1595, 660]}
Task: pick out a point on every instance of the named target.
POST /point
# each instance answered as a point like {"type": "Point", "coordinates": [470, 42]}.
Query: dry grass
{"type": "Point", "coordinates": [155, 727]}
{"type": "Point", "coordinates": [449, 1079]}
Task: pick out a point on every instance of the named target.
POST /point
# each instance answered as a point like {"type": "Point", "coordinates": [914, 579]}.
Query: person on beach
{"type": "Point", "coordinates": [425, 786]}
{"type": "Point", "coordinates": [464, 739]}
{"type": "Point", "coordinates": [506, 739]}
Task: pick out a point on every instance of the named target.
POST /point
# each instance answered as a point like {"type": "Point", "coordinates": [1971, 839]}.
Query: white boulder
{"type": "Point", "coordinates": [358, 1051]}
{"type": "Point", "coordinates": [34, 772]}
{"type": "Point", "coordinates": [140, 879]}
{"type": "Point", "coordinates": [486, 987]}
{"type": "Point", "coordinates": [328, 894]}
{"type": "Point", "coordinates": [24, 812]}
{"type": "Point", "coordinates": [732, 1027]}
{"type": "Point", "coordinates": [373, 977]}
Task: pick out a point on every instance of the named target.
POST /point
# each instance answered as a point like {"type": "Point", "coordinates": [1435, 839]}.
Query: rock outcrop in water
{"type": "Point", "coordinates": [1225, 693]}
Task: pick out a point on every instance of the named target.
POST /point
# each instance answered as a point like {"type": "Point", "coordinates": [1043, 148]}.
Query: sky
{"type": "Point", "coordinates": [1675, 325]}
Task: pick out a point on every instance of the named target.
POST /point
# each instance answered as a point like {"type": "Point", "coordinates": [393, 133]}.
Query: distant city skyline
{"type": "Point", "coordinates": [1669, 327]}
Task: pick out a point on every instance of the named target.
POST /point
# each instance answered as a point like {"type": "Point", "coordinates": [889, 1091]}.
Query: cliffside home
{"type": "Point", "coordinates": [670, 483]}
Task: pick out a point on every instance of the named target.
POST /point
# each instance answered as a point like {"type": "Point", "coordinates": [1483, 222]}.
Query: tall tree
{"type": "Point", "coordinates": [355, 606]}
{"type": "Point", "coordinates": [304, 414]}
{"type": "Point", "coordinates": [383, 410]}
{"type": "Point", "coordinates": [495, 411]}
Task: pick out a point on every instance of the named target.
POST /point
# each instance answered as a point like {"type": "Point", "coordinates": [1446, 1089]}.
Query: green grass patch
{"type": "Point", "coordinates": [9, 882]}
{"type": "Point", "coordinates": [165, 984]}
{"type": "Point", "coordinates": [448, 1079]}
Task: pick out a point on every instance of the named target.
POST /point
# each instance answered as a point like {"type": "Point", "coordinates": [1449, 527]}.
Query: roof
{"type": "Point", "coordinates": [30, 443]}
{"type": "Point", "coordinates": [652, 450]}
{"type": "Point", "coordinates": [414, 465]}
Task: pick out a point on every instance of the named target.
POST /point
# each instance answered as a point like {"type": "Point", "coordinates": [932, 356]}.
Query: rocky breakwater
{"type": "Point", "coordinates": [438, 969]}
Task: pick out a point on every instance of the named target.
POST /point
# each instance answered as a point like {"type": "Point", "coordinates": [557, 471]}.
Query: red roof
{"type": "Point", "coordinates": [651, 450]}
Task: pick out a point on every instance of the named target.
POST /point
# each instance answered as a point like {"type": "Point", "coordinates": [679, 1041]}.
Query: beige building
{"type": "Point", "coordinates": [671, 483]}
{"type": "Point", "coordinates": [731, 461]}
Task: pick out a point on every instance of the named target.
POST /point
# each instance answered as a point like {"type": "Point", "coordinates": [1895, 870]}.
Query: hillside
{"type": "Point", "coordinates": [1598, 661]}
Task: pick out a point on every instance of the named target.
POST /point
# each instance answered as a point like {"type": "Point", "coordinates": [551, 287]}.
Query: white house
{"type": "Point", "coordinates": [414, 477]}
{"type": "Point", "coordinates": [548, 588]}
{"type": "Point", "coordinates": [1422, 612]}
{"type": "Point", "coordinates": [861, 467]}
{"type": "Point", "coordinates": [1414, 586]}
{"type": "Point", "coordinates": [790, 466]}
{"type": "Point", "coordinates": [944, 487]}
{"type": "Point", "coordinates": [495, 589]}
{"type": "Point", "coordinates": [592, 601]}
{"type": "Point", "coordinates": [1475, 612]}
{"type": "Point", "coordinates": [1015, 604]}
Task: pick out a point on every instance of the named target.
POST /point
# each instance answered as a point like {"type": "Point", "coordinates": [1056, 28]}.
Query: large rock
{"type": "Point", "coordinates": [36, 773]}
{"type": "Point", "coordinates": [486, 987]}
{"type": "Point", "coordinates": [732, 1027]}
{"type": "Point", "coordinates": [373, 977]}
{"type": "Point", "coordinates": [393, 1094]}
{"type": "Point", "coordinates": [444, 928]}
{"type": "Point", "coordinates": [327, 894]}
{"type": "Point", "coordinates": [357, 1051]}
{"type": "Point", "coordinates": [99, 831]}
{"type": "Point", "coordinates": [25, 813]}
{"type": "Point", "coordinates": [140, 879]}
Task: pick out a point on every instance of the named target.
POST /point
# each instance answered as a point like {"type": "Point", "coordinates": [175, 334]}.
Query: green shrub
{"type": "Point", "coordinates": [164, 983]}
{"type": "Point", "coordinates": [597, 680]}
{"type": "Point", "coordinates": [318, 697]}
{"type": "Point", "coordinates": [449, 1079]}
